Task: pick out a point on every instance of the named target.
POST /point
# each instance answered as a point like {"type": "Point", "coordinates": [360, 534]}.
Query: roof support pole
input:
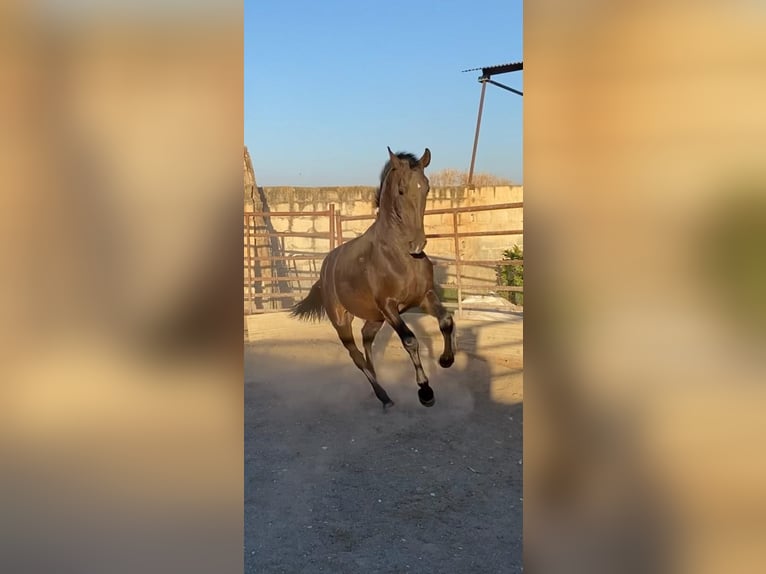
{"type": "Point", "coordinates": [483, 81]}
{"type": "Point", "coordinates": [499, 85]}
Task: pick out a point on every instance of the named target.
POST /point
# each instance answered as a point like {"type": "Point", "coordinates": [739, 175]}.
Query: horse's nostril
{"type": "Point", "coordinates": [416, 247]}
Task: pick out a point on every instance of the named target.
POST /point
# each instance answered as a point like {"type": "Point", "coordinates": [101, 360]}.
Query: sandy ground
{"type": "Point", "coordinates": [335, 484]}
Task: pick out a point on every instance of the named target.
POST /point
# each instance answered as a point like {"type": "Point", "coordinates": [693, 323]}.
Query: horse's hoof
{"type": "Point", "coordinates": [387, 406]}
{"type": "Point", "coordinates": [446, 362]}
{"type": "Point", "coordinates": [426, 396]}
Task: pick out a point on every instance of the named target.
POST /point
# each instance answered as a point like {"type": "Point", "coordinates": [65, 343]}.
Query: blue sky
{"type": "Point", "coordinates": [330, 83]}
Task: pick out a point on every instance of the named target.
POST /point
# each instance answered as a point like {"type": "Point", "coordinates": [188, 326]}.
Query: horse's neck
{"type": "Point", "coordinates": [385, 232]}
{"type": "Point", "coordinates": [385, 228]}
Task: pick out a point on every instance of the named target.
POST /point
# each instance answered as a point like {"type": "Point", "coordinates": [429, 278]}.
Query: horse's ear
{"type": "Point", "coordinates": [426, 159]}
{"type": "Point", "coordinates": [393, 158]}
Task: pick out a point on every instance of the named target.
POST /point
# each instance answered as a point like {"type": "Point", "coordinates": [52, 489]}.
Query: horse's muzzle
{"type": "Point", "coordinates": [416, 247]}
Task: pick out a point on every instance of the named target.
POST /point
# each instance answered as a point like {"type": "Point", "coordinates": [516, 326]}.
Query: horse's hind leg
{"type": "Point", "coordinates": [369, 330]}
{"type": "Point", "coordinates": [390, 311]}
{"type": "Point", "coordinates": [346, 336]}
{"type": "Point", "coordinates": [434, 307]}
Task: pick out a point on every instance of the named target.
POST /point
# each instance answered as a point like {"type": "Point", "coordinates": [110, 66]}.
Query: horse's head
{"type": "Point", "coordinates": [402, 198]}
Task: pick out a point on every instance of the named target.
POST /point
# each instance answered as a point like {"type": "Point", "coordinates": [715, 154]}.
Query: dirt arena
{"type": "Point", "coordinates": [335, 484]}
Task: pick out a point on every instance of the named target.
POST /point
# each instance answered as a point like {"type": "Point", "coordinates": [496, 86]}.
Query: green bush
{"type": "Point", "coordinates": [512, 275]}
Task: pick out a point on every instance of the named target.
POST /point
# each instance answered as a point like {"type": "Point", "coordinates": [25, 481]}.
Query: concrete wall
{"type": "Point", "coordinates": [360, 201]}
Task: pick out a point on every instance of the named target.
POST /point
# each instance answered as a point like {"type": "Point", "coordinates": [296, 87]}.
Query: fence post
{"type": "Point", "coordinates": [249, 264]}
{"type": "Point", "coordinates": [332, 226]}
{"type": "Point", "coordinates": [458, 274]}
{"type": "Point", "coordinates": [339, 227]}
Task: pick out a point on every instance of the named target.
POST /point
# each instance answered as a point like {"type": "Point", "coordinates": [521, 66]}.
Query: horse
{"type": "Point", "coordinates": [383, 273]}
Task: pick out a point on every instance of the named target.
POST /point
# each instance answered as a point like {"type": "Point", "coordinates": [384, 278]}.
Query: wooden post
{"type": "Point", "coordinates": [249, 263]}
{"type": "Point", "coordinates": [339, 228]}
{"type": "Point", "coordinates": [458, 274]}
{"type": "Point", "coordinates": [332, 226]}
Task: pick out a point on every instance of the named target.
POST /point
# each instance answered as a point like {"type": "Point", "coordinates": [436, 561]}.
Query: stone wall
{"type": "Point", "coordinates": [360, 201]}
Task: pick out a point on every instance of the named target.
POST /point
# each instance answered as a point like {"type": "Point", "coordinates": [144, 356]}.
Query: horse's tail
{"type": "Point", "coordinates": [311, 307]}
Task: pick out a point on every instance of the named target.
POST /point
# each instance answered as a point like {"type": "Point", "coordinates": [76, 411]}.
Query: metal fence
{"type": "Point", "coordinates": [274, 280]}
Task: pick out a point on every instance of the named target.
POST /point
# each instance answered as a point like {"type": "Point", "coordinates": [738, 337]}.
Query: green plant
{"type": "Point", "coordinates": [512, 275]}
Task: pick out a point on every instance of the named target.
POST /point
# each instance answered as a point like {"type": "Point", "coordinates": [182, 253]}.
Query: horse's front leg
{"type": "Point", "coordinates": [390, 310]}
{"type": "Point", "coordinates": [434, 307]}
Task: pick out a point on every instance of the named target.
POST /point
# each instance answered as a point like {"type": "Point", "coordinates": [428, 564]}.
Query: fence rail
{"type": "Point", "coordinates": [269, 276]}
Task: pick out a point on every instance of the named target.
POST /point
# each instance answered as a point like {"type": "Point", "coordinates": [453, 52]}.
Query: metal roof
{"type": "Point", "coordinates": [499, 69]}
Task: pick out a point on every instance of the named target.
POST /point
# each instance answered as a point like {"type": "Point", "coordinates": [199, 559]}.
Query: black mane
{"type": "Point", "coordinates": [386, 168]}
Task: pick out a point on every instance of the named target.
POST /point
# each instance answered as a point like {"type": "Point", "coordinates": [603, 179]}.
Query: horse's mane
{"type": "Point", "coordinates": [386, 168]}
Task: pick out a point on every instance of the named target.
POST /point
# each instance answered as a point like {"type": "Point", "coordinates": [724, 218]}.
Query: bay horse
{"type": "Point", "coordinates": [383, 273]}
